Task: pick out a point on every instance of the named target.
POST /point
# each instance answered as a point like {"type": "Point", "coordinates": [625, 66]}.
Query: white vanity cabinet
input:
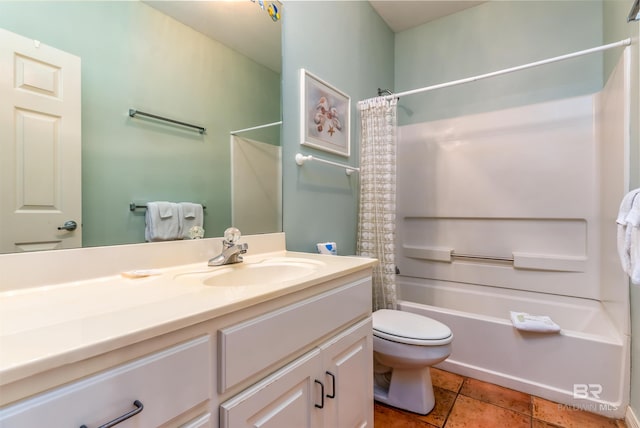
{"type": "Point", "coordinates": [330, 386]}
{"type": "Point", "coordinates": [150, 391]}
{"type": "Point", "coordinates": [292, 356]}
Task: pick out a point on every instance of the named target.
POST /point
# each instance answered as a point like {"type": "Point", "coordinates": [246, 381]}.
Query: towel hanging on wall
{"type": "Point", "coordinates": [168, 221]}
{"type": "Point", "coordinates": [628, 235]}
{"type": "Point", "coordinates": [162, 222]}
{"type": "Point", "coordinates": [191, 216]}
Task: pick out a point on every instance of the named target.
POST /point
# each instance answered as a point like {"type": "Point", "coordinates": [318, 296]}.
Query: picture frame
{"type": "Point", "coordinates": [325, 119]}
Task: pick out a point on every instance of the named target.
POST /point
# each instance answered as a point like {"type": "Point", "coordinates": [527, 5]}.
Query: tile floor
{"type": "Point", "coordinates": [463, 402]}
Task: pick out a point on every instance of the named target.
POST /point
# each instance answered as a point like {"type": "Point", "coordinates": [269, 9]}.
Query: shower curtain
{"type": "Point", "coordinates": [377, 213]}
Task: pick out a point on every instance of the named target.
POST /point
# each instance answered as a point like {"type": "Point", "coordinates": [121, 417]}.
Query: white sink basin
{"type": "Point", "coordinates": [267, 271]}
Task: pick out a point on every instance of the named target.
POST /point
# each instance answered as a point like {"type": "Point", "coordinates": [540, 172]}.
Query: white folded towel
{"type": "Point", "coordinates": [623, 237]}
{"type": "Point", "coordinates": [536, 323]}
{"type": "Point", "coordinates": [191, 215]}
{"type": "Point", "coordinates": [633, 218]}
{"type": "Point", "coordinates": [625, 206]}
{"type": "Point", "coordinates": [162, 222]}
{"type": "Point", "coordinates": [623, 242]}
{"type": "Point", "coordinates": [165, 209]}
{"type": "Point", "coordinates": [628, 221]}
{"type": "Point", "coordinates": [634, 254]}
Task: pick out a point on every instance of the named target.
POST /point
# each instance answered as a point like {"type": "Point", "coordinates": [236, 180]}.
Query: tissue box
{"type": "Point", "coordinates": [327, 248]}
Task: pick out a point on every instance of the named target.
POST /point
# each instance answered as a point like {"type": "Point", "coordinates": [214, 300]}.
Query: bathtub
{"type": "Point", "coordinates": [585, 366]}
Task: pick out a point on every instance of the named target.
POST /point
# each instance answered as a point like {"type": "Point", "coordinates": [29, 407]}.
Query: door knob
{"type": "Point", "coordinates": [69, 226]}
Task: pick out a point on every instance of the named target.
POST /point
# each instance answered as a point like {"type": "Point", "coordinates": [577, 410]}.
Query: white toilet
{"type": "Point", "coordinates": [405, 346]}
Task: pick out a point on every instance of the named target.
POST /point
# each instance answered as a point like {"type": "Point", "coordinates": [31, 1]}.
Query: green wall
{"type": "Point", "coordinates": [494, 36]}
{"type": "Point", "coordinates": [134, 56]}
{"type": "Point", "coordinates": [348, 45]}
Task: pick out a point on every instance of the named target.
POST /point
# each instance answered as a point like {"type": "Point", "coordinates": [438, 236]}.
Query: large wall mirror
{"type": "Point", "coordinates": [211, 63]}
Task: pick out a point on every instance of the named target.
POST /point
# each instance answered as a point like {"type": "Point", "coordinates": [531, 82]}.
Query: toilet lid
{"type": "Point", "coordinates": [409, 328]}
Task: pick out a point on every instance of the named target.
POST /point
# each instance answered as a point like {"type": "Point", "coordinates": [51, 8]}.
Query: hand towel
{"type": "Point", "coordinates": [165, 209]}
{"type": "Point", "coordinates": [191, 215]}
{"type": "Point", "coordinates": [634, 254]}
{"type": "Point", "coordinates": [628, 218]}
{"type": "Point", "coordinates": [632, 240]}
{"type": "Point", "coordinates": [162, 222]}
{"type": "Point", "coordinates": [633, 217]}
{"type": "Point", "coordinates": [535, 323]}
{"type": "Point", "coordinates": [625, 206]}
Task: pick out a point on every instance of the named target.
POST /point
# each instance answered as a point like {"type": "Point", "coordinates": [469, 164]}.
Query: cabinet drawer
{"type": "Point", "coordinates": [167, 384]}
{"type": "Point", "coordinates": [249, 347]}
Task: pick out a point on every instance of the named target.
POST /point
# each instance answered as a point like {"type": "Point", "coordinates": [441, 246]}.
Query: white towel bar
{"type": "Point", "coordinates": [547, 262]}
{"type": "Point", "coordinates": [301, 159]}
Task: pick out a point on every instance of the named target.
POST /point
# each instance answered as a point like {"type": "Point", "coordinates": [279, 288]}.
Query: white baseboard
{"type": "Point", "coordinates": [631, 419]}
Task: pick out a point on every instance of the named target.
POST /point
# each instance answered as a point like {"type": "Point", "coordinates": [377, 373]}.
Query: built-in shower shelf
{"type": "Point", "coordinates": [549, 262]}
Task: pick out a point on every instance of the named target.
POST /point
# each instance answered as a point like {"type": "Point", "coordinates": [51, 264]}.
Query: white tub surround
{"type": "Point", "coordinates": [69, 314]}
{"type": "Point", "coordinates": [515, 210]}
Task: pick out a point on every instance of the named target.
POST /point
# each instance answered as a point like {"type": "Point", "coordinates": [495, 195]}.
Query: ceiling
{"type": "Point", "coordinates": [243, 26]}
{"type": "Point", "coordinates": [401, 15]}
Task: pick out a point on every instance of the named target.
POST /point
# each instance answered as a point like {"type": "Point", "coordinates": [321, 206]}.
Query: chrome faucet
{"type": "Point", "coordinates": [231, 250]}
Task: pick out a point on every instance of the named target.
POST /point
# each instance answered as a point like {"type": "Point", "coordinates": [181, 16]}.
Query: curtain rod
{"type": "Point", "coordinates": [253, 128]}
{"type": "Point", "coordinates": [625, 42]}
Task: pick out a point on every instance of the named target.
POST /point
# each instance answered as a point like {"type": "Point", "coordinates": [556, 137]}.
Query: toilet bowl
{"type": "Point", "coordinates": [405, 346]}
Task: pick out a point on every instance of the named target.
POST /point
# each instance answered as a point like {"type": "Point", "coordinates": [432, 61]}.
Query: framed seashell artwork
{"type": "Point", "coordinates": [325, 115]}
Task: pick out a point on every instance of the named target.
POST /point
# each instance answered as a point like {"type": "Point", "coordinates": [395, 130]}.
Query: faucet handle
{"type": "Point", "coordinates": [232, 235]}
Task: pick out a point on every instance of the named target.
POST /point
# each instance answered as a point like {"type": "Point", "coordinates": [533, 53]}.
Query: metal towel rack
{"type": "Point", "coordinates": [301, 159]}
{"type": "Point", "coordinates": [133, 113]}
{"type": "Point", "coordinates": [133, 206]}
{"type": "Point", "coordinates": [519, 260]}
{"type": "Point", "coordinates": [479, 257]}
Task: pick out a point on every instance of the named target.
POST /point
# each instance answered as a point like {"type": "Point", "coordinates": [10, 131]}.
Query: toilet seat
{"type": "Point", "coordinates": [409, 328]}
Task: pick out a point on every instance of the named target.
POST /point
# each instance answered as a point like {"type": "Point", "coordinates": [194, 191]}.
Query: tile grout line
{"type": "Point", "coordinates": [446, 419]}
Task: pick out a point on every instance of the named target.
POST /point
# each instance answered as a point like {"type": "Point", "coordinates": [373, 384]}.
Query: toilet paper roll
{"type": "Point", "coordinates": [327, 248]}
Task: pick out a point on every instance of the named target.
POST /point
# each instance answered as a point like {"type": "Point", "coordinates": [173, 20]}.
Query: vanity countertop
{"type": "Point", "coordinates": [48, 326]}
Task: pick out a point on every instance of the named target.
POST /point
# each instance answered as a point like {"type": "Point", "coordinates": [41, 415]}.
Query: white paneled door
{"type": "Point", "coordinates": [40, 142]}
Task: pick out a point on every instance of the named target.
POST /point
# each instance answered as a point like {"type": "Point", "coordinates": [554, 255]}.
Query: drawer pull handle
{"type": "Point", "coordinates": [333, 383]}
{"type": "Point", "coordinates": [321, 405]}
{"type": "Point", "coordinates": [124, 417]}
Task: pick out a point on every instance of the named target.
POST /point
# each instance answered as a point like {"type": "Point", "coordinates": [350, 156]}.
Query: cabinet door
{"type": "Point", "coordinates": [287, 398]}
{"type": "Point", "coordinates": [348, 377]}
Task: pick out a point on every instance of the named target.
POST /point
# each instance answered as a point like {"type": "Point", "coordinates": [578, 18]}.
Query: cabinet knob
{"type": "Point", "coordinates": [116, 421]}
